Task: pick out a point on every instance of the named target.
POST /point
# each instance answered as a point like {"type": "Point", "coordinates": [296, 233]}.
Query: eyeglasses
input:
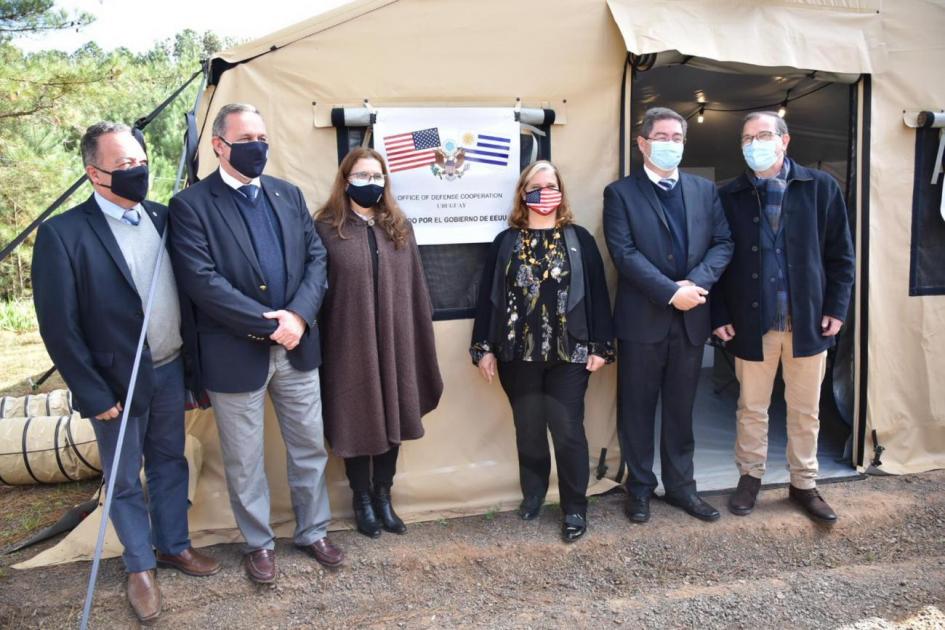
{"type": "Point", "coordinates": [362, 178]}
{"type": "Point", "coordinates": [678, 138]}
{"type": "Point", "coordinates": [763, 136]}
{"type": "Point", "coordinates": [529, 190]}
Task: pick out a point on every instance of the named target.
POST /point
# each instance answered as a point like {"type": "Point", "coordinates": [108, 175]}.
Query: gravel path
{"type": "Point", "coordinates": [884, 562]}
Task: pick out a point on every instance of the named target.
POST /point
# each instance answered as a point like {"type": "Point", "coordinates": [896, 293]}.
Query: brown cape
{"type": "Point", "coordinates": [379, 371]}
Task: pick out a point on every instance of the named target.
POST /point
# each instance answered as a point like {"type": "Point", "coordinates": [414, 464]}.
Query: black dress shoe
{"type": "Point", "coordinates": [637, 508]}
{"type": "Point", "coordinates": [573, 527]}
{"type": "Point", "coordinates": [385, 510]}
{"type": "Point", "coordinates": [813, 504]}
{"type": "Point", "coordinates": [742, 501]}
{"type": "Point", "coordinates": [694, 506]}
{"type": "Point", "coordinates": [530, 508]}
{"type": "Point", "coordinates": [364, 516]}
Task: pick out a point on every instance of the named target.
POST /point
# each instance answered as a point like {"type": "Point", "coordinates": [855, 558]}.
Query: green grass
{"type": "Point", "coordinates": [17, 316]}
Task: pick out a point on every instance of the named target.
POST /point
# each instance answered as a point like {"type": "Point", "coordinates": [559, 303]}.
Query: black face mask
{"type": "Point", "coordinates": [365, 196]}
{"type": "Point", "coordinates": [249, 158]}
{"type": "Point", "coordinates": [130, 184]}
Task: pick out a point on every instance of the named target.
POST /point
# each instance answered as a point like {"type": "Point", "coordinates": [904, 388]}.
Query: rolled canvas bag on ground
{"type": "Point", "coordinates": [47, 449]}
{"type": "Point", "coordinates": [56, 403]}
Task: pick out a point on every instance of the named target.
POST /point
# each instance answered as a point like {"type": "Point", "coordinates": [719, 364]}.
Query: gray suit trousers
{"type": "Point", "coordinates": [297, 400]}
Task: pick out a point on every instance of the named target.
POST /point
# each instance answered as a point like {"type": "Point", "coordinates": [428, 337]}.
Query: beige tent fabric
{"type": "Point", "coordinates": [827, 35]}
{"type": "Point", "coordinates": [491, 51]}
{"type": "Point", "coordinates": [906, 379]}
{"type": "Point", "coordinates": [47, 449]}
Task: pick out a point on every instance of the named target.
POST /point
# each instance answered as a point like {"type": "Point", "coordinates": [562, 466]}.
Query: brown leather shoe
{"type": "Point", "coordinates": [813, 504]}
{"type": "Point", "coordinates": [325, 552]}
{"type": "Point", "coordinates": [261, 565]}
{"type": "Point", "coordinates": [190, 561]}
{"type": "Point", "coordinates": [144, 595]}
{"type": "Point", "coordinates": [742, 501]}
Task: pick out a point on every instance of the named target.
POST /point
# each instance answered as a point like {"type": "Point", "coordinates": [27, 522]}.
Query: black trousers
{"type": "Point", "coordinates": [549, 396]}
{"type": "Point", "coordinates": [646, 372]}
{"type": "Point", "coordinates": [358, 470]}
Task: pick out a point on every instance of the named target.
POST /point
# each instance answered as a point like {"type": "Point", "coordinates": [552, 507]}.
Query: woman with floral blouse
{"type": "Point", "coordinates": [543, 320]}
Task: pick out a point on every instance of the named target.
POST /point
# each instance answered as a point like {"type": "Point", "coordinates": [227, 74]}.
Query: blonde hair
{"type": "Point", "coordinates": [519, 215]}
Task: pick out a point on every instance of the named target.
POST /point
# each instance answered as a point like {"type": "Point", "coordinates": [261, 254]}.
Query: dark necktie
{"type": "Point", "coordinates": [250, 192]}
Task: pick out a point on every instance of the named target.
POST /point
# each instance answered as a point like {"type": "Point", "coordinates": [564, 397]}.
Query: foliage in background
{"type": "Point", "coordinates": [49, 98]}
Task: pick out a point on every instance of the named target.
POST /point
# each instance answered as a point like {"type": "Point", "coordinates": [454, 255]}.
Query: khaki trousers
{"type": "Point", "coordinates": [802, 380]}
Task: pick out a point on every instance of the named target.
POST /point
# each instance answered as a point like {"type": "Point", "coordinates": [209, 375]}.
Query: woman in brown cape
{"type": "Point", "coordinates": [379, 371]}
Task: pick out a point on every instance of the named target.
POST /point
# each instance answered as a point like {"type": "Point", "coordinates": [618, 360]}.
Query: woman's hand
{"type": "Point", "coordinates": [595, 363]}
{"type": "Point", "coordinates": [487, 366]}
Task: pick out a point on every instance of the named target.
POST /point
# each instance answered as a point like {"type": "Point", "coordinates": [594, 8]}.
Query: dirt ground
{"type": "Point", "coordinates": [885, 560]}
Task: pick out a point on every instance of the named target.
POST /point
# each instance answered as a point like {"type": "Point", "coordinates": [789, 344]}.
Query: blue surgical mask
{"type": "Point", "coordinates": [666, 155]}
{"type": "Point", "coordinates": [761, 155]}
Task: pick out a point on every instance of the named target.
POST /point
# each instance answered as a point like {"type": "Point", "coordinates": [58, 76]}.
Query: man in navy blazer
{"type": "Point", "coordinates": [246, 252]}
{"type": "Point", "coordinates": [93, 268]}
{"type": "Point", "coordinates": [670, 242]}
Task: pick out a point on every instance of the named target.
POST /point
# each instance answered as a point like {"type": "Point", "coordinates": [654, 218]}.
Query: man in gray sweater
{"type": "Point", "coordinates": [93, 268]}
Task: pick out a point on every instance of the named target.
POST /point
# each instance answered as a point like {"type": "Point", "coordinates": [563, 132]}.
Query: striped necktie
{"type": "Point", "coordinates": [131, 217]}
{"type": "Point", "coordinates": [667, 184]}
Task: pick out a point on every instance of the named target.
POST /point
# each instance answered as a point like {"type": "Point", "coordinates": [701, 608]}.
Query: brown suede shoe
{"type": "Point", "coordinates": [742, 501]}
{"type": "Point", "coordinates": [261, 565]}
{"type": "Point", "coordinates": [325, 552]}
{"type": "Point", "coordinates": [190, 561]}
{"type": "Point", "coordinates": [144, 595]}
{"type": "Point", "coordinates": [813, 504]}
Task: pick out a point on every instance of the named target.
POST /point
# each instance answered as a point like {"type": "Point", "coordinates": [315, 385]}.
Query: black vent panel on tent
{"type": "Point", "coordinates": [927, 264]}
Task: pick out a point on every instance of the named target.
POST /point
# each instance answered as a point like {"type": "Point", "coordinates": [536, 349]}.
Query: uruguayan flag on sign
{"type": "Point", "coordinates": [489, 150]}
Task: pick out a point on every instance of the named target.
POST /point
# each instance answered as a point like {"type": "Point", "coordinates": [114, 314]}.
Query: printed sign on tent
{"type": "Point", "coordinates": [453, 170]}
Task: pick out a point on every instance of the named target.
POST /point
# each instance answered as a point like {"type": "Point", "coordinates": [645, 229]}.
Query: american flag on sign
{"type": "Point", "coordinates": [489, 150]}
{"type": "Point", "coordinates": [411, 150]}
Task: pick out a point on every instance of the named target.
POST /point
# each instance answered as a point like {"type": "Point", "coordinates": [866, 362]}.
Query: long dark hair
{"type": "Point", "coordinates": [387, 213]}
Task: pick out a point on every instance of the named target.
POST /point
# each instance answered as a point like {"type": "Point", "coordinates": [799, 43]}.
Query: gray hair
{"type": "Point", "coordinates": [779, 122]}
{"type": "Point", "coordinates": [660, 113]}
{"type": "Point", "coordinates": [89, 143]}
{"type": "Point", "coordinates": [219, 123]}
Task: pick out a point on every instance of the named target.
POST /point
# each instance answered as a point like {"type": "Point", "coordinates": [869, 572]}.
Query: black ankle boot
{"type": "Point", "coordinates": [385, 511]}
{"type": "Point", "coordinates": [364, 515]}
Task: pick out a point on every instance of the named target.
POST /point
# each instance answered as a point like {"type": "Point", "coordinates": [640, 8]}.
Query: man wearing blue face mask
{"type": "Point", "coordinates": [245, 250]}
{"type": "Point", "coordinates": [93, 269]}
{"type": "Point", "coordinates": [782, 301]}
{"type": "Point", "coordinates": [669, 240]}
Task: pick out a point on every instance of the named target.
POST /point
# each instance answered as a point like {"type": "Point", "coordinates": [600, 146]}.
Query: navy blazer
{"type": "Point", "coordinates": [89, 311]}
{"type": "Point", "coordinates": [641, 246]}
{"type": "Point", "coordinates": [821, 263]}
{"type": "Point", "coordinates": [217, 268]}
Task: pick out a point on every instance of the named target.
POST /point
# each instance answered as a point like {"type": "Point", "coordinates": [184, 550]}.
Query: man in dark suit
{"type": "Point", "coordinates": [669, 240]}
{"type": "Point", "coordinates": [782, 302]}
{"type": "Point", "coordinates": [246, 252]}
{"type": "Point", "coordinates": [93, 268]}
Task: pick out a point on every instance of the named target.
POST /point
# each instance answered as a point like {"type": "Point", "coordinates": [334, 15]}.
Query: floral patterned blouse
{"type": "Point", "coordinates": [537, 282]}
